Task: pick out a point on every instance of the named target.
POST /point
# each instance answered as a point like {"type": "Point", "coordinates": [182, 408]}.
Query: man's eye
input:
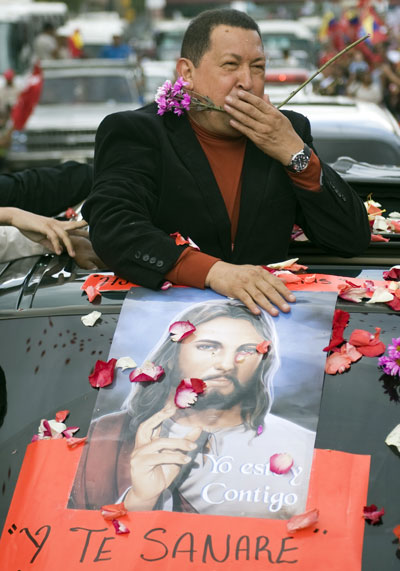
{"type": "Point", "coordinates": [230, 64]}
{"type": "Point", "coordinates": [205, 347]}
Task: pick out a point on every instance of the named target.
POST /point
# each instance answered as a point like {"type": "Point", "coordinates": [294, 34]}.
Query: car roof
{"type": "Point", "coordinates": [345, 115]}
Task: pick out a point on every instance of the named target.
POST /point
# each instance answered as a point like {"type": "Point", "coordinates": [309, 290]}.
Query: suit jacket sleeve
{"type": "Point", "coordinates": [335, 218]}
{"type": "Point", "coordinates": [47, 190]}
{"type": "Point", "coordinates": [121, 208]}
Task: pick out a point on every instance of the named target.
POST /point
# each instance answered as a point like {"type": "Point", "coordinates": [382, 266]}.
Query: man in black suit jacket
{"type": "Point", "coordinates": [153, 178]}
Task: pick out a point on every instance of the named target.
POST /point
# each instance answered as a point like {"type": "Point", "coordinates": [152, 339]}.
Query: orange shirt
{"type": "Point", "coordinates": [226, 155]}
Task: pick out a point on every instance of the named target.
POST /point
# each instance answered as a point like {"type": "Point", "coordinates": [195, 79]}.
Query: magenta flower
{"type": "Point", "coordinates": [175, 98]}
{"type": "Point", "coordinates": [391, 364]}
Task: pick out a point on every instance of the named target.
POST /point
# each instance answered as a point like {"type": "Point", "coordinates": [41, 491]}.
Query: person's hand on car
{"type": "Point", "coordinates": [49, 232]}
{"type": "Point", "coordinates": [252, 285]}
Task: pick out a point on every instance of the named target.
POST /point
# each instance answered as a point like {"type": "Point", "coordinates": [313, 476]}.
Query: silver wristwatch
{"type": "Point", "coordinates": [300, 160]}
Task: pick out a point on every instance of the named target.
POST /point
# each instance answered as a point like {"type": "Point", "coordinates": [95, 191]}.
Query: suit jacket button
{"type": "Point", "coordinates": [146, 258]}
{"type": "Point", "coordinates": [138, 253]}
{"type": "Point", "coordinates": [153, 260]}
{"type": "Point", "coordinates": [159, 264]}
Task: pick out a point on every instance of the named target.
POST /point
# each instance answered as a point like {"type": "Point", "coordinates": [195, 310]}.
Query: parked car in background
{"type": "Point", "coordinates": [155, 73]}
{"type": "Point", "coordinates": [76, 96]}
{"type": "Point", "coordinates": [342, 126]}
{"type": "Point", "coordinates": [168, 35]}
{"type": "Point", "coordinates": [280, 35]}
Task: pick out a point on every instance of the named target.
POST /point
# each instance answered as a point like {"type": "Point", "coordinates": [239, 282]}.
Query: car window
{"type": "Point", "coordinates": [364, 150]}
{"type": "Point", "coordinates": [96, 89]}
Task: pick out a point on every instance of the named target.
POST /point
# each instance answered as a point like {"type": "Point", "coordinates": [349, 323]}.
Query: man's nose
{"type": "Point", "coordinates": [225, 361]}
{"type": "Point", "coordinates": [245, 79]}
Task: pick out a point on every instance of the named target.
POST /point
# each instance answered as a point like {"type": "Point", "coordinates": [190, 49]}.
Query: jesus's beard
{"type": "Point", "coordinates": [215, 399]}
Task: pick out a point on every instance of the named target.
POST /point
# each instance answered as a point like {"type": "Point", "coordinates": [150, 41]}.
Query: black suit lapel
{"type": "Point", "coordinates": [189, 150]}
{"type": "Point", "coordinates": [256, 169]}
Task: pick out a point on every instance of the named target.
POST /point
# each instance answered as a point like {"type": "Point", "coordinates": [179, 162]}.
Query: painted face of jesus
{"type": "Point", "coordinates": [222, 352]}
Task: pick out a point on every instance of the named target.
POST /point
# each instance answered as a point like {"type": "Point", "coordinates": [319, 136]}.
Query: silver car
{"type": "Point", "coordinates": [76, 96]}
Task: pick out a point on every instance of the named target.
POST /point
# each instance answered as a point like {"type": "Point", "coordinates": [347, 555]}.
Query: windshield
{"type": "Point", "coordinates": [96, 89]}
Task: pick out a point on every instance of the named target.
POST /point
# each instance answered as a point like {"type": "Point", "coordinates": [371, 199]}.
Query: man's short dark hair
{"type": "Point", "coordinates": [196, 40]}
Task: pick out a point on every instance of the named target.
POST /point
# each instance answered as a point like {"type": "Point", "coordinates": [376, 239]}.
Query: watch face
{"type": "Point", "coordinates": [300, 160]}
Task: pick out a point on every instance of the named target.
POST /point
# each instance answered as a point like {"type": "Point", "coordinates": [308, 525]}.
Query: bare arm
{"type": "Point", "coordinates": [51, 233]}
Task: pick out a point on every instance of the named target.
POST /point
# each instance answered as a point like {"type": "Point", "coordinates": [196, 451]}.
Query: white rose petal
{"type": "Point", "coordinates": [125, 363]}
{"type": "Point", "coordinates": [381, 294]}
{"type": "Point", "coordinates": [281, 265]}
{"type": "Point", "coordinates": [393, 439]}
{"type": "Point", "coordinates": [90, 319]}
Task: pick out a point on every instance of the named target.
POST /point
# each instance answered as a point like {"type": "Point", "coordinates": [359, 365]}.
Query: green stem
{"type": "Point", "coordinates": [334, 58]}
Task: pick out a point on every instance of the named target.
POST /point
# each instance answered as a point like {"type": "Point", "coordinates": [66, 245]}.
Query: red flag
{"type": "Point", "coordinates": [27, 99]}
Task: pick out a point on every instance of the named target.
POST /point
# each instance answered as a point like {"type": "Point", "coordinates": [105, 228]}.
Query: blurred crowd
{"type": "Point", "coordinates": [371, 70]}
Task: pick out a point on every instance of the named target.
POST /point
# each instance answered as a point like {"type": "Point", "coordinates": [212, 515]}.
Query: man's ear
{"type": "Point", "coordinates": [185, 69]}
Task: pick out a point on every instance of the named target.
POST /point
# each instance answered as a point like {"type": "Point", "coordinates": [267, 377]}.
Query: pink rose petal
{"type": "Point", "coordinates": [166, 285]}
{"type": "Point", "coordinates": [187, 391]}
{"type": "Point", "coordinates": [351, 352]}
{"type": "Point", "coordinates": [61, 415]}
{"type": "Point", "coordinates": [263, 347]}
{"type": "Point", "coordinates": [119, 527]}
{"type": "Point", "coordinates": [70, 431]}
{"type": "Point", "coordinates": [280, 463]}
{"type": "Point", "coordinates": [113, 511]}
{"type": "Point", "coordinates": [302, 521]}
{"type": "Point", "coordinates": [351, 293]}
{"type": "Point", "coordinates": [92, 292]}
{"type": "Point", "coordinates": [103, 373]}
{"type": "Point", "coordinates": [181, 329]}
{"type": "Point", "coordinates": [147, 372]}
{"type": "Point", "coordinates": [372, 514]}
{"type": "Point", "coordinates": [287, 277]}
{"type": "Point", "coordinates": [260, 429]}
{"type": "Point", "coordinates": [337, 363]}
{"type": "Point", "coordinates": [35, 438]}
{"type": "Point", "coordinates": [310, 279]}
{"type": "Point", "coordinates": [73, 442]}
{"type": "Point", "coordinates": [192, 244]}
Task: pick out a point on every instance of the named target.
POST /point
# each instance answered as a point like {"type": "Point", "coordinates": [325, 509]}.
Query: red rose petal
{"type": "Point", "coordinates": [372, 514]}
{"type": "Point", "coordinates": [392, 274]}
{"type": "Point", "coordinates": [181, 329]}
{"type": "Point", "coordinates": [119, 527]}
{"type": "Point", "coordinates": [263, 347]}
{"type": "Point", "coordinates": [113, 511]}
{"type": "Point", "coordinates": [70, 213]}
{"type": "Point", "coordinates": [302, 521]}
{"type": "Point", "coordinates": [396, 531]}
{"type": "Point", "coordinates": [340, 321]}
{"type": "Point", "coordinates": [103, 373]}
{"type": "Point", "coordinates": [368, 344]}
{"type": "Point", "coordinates": [280, 463]}
{"type": "Point", "coordinates": [394, 304]}
{"type": "Point", "coordinates": [179, 239]}
{"type": "Point", "coordinates": [61, 415]}
{"type": "Point", "coordinates": [147, 372]}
